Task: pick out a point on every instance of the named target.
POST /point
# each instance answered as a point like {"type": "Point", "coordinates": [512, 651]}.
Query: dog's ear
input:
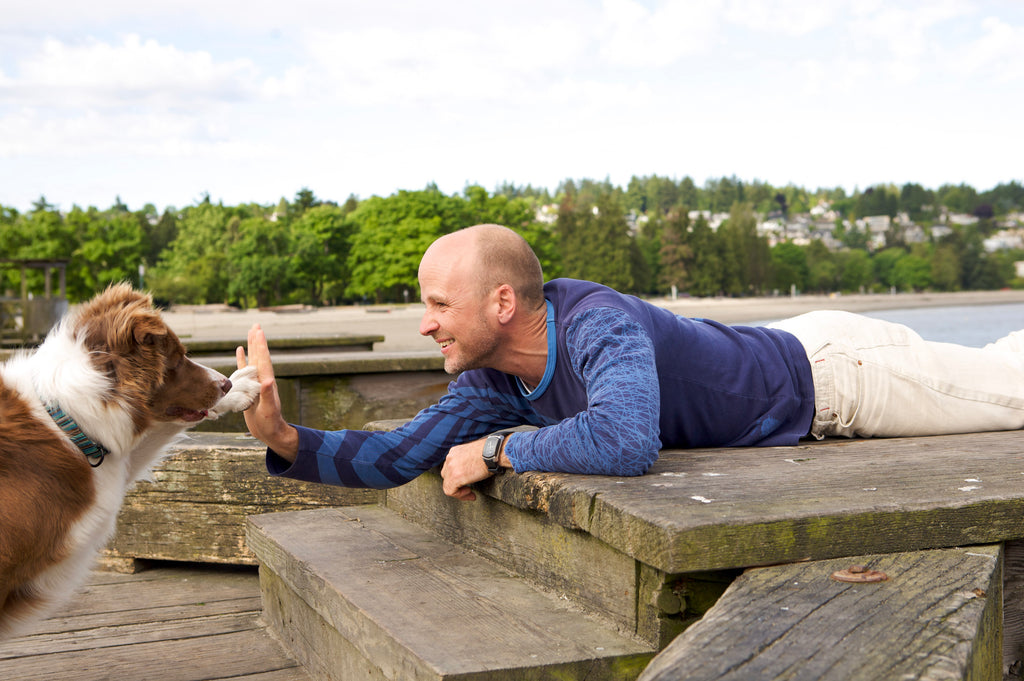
{"type": "Point", "coordinates": [148, 329]}
{"type": "Point", "coordinates": [121, 320]}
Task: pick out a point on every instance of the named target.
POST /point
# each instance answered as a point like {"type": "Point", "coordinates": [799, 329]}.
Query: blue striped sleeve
{"type": "Point", "coordinates": [472, 408]}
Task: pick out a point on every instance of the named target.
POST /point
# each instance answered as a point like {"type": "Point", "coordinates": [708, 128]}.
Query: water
{"type": "Point", "coordinates": [973, 326]}
{"type": "Point", "coordinates": [970, 325]}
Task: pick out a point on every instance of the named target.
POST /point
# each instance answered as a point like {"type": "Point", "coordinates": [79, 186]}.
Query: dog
{"type": "Point", "coordinates": [82, 418]}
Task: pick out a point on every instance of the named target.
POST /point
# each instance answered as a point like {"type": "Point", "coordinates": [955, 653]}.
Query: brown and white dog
{"type": "Point", "coordinates": [81, 419]}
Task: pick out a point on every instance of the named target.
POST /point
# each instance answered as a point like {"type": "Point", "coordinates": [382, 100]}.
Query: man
{"type": "Point", "coordinates": [609, 380]}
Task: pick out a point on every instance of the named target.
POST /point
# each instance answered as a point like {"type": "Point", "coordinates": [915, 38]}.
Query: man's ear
{"type": "Point", "coordinates": [505, 298]}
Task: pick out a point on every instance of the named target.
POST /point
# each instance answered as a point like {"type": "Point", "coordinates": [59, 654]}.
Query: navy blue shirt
{"type": "Point", "coordinates": [624, 379]}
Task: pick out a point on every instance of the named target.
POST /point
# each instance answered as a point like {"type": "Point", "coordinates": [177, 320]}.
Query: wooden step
{"type": "Point", "coordinates": [937, 616]}
{"type": "Point", "coordinates": [361, 593]}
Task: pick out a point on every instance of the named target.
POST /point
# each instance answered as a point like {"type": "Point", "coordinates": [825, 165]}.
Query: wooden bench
{"type": "Point", "coordinates": [195, 506]}
{"type": "Point", "coordinates": [936, 615]}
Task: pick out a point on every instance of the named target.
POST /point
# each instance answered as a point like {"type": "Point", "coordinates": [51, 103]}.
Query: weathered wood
{"type": "Point", "coordinates": [345, 390]}
{"type": "Point", "coordinates": [178, 624]}
{"type": "Point", "coordinates": [1013, 608]}
{"type": "Point", "coordinates": [286, 345]}
{"type": "Point", "coordinates": [414, 607]}
{"type": "Point", "coordinates": [714, 509]}
{"type": "Point", "coordinates": [194, 508]}
{"type": "Point", "coordinates": [937, 617]}
{"type": "Point", "coordinates": [571, 562]}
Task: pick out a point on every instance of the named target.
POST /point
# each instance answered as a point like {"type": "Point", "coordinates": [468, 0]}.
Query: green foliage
{"type": "Point", "coordinates": [320, 245]}
{"type": "Point", "coordinates": [643, 239]}
{"type": "Point", "coordinates": [595, 242]}
{"type": "Point", "coordinates": [194, 268]}
{"type": "Point", "coordinates": [789, 267]}
{"type": "Point", "coordinates": [747, 257]}
{"type": "Point", "coordinates": [676, 256]}
{"type": "Point", "coordinates": [879, 200]}
{"type": "Point", "coordinates": [854, 267]}
{"type": "Point", "coordinates": [109, 250]}
{"type": "Point", "coordinates": [912, 273]}
{"type": "Point", "coordinates": [258, 261]}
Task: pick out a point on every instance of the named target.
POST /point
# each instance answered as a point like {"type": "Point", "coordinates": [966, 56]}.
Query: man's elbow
{"type": "Point", "coordinates": [632, 464]}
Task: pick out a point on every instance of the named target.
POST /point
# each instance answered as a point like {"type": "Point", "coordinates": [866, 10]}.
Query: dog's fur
{"type": "Point", "coordinates": [117, 369]}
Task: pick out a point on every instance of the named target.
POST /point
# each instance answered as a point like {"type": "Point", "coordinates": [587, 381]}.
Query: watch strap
{"type": "Point", "coordinates": [492, 451]}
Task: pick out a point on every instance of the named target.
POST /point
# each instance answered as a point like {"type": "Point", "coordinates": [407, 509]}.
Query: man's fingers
{"type": "Point", "coordinates": [259, 354]}
{"type": "Point", "coordinates": [240, 357]}
{"type": "Point", "coordinates": [464, 494]}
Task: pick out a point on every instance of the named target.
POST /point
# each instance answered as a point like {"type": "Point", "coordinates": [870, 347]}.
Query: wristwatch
{"type": "Point", "coordinates": [492, 449]}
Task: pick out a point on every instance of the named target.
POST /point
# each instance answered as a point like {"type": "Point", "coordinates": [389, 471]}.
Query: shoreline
{"type": "Point", "coordinates": [399, 323]}
{"type": "Point", "coordinates": [739, 310]}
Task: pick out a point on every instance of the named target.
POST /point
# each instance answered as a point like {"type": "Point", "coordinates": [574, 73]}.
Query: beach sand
{"type": "Point", "coordinates": [399, 324]}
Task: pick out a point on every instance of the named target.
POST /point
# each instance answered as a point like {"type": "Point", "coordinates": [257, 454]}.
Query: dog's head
{"type": "Point", "coordinates": [129, 342]}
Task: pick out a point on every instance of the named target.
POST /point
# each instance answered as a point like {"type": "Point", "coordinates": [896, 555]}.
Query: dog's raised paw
{"type": "Point", "coordinates": [245, 388]}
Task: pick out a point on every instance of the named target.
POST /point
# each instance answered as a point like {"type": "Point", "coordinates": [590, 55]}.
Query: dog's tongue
{"type": "Point", "coordinates": [183, 414]}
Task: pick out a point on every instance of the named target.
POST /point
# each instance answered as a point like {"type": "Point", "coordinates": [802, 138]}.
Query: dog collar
{"type": "Point", "coordinates": [94, 451]}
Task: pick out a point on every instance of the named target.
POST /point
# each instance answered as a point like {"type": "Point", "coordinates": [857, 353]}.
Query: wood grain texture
{"type": "Point", "coordinates": [716, 509]}
{"type": "Point", "coordinates": [178, 624]}
{"type": "Point", "coordinates": [195, 506]}
{"type": "Point", "coordinates": [416, 607]}
{"type": "Point", "coordinates": [937, 617]}
{"type": "Point", "coordinates": [566, 561]}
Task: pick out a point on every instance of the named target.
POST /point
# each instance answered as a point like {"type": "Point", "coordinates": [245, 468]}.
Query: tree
{"type": "Point", "coordinates": [945, 270]}
{"type": "Point", "coordinates": [258, 261]}
{"type": "Point", "coordinates": [916, 201]}
{"type": "Point", "coordinates": [676, 253]}
{"type": "Point", "coordinates": [885, 265]}
{"type": "Point", "coordinates": [746, 256]}
{"type": "Point", "coordinates": [320, 244]}
{"type": "Point", "coordinates": [789, 267]}
{"type": "Point", "coordinates": [599, 247]}
{"type": "Point", "coordinates": [194, 268]}
{"type": "Point", "coordinates": [705, 277]}
{"type": "Point", "coordinates": [109, 250]}
{"type": "Point", "coordinates": [912, 273]}
{"type": "Point", "coordinates": [822, 268]}
{"type": "Point", "coordinates": [878, 200]}
{"type": "Point", "coordinates": [855, 271]}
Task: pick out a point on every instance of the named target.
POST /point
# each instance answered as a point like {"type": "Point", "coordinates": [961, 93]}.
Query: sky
{"type": "Point", "coordinates": [164, 103]}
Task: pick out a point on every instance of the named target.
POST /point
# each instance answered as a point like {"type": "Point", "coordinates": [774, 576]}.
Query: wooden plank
{"type": "Point", "coordinates": [133, 626]}
{"type": "Point", "coordinates": [414, 606]}
{"type": "Point", "coordinates": [562, 560]}
{"type": "Point", "coordinates": [1013, 608]}
{"type": "Point", "coordinates": [194, 507]}
{"type": "Point", "coordinates": [206, 658]}
{"type": "Point", "coordinates": [938, 616]}
{"type": "Point", "coordinates": [715, 509]}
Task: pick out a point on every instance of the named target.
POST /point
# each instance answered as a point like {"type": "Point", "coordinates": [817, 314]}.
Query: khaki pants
{"type": "Point", "coordinates": [874, 378]}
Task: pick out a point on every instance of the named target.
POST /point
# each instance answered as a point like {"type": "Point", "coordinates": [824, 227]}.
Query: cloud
{"type": "Point", "coordinates": [785, 18]}
{"type": "Point", "coordinates": [634, 35]}
{"type": "Point", "coordinates": [996, 55]}
{"type": "Point", "coordinates": [104, 75]}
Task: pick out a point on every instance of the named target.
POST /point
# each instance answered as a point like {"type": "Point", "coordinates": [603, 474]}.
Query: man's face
{"type": "Point", "coordinates": [457, 315]}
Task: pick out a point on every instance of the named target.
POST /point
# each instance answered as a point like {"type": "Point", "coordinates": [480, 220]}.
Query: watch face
{"type": "Point", "coordinates": [491, 447]}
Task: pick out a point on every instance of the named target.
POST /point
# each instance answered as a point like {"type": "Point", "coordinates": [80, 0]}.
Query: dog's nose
{"type": "Point", "coordinates": [225, 386]}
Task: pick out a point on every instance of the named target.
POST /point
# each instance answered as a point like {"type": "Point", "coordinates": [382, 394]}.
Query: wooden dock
{"type": "Point", "coordinates": [174, 622]}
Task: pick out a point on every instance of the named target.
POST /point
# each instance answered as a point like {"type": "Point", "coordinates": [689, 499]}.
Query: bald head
{"type": "Point", "coordinates": [496, 256]}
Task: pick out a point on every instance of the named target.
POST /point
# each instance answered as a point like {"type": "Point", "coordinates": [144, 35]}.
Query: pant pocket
{"type": "Point", "coordinates": [838, 392]}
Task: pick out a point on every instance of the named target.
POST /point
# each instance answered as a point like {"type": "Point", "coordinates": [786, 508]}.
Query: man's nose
{"type": "Point", "coordinates": [427, 324]}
